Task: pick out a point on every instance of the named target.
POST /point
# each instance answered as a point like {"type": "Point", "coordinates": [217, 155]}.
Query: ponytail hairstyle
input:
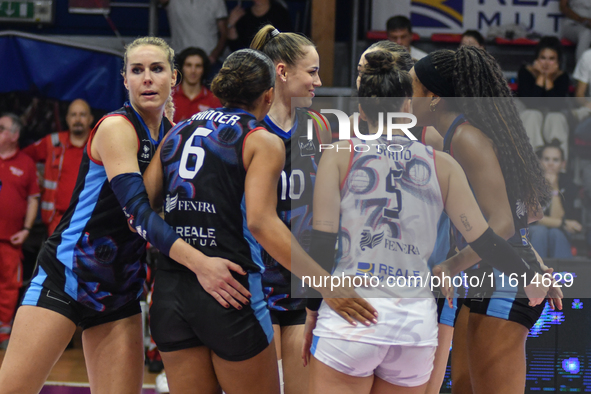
{"type": "Point", "coordinates": [281, 47]}
{"type": "Point", "coordinates": [384, 85]}
{"type": "Point", "coordinates": [245, 76]}
{"type": "Point", "coordinates": [475, 73]}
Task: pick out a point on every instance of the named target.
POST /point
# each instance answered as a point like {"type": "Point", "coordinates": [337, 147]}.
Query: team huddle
{"type": "Point", "coordinates": [248, 210]}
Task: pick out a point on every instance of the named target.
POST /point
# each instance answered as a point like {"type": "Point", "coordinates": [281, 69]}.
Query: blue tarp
{"type": "Point", "coordinates": [61, 71]}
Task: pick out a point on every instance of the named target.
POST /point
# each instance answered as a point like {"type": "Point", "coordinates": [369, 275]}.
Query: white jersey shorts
{"type": "Point", "coordinates": [400, 365]}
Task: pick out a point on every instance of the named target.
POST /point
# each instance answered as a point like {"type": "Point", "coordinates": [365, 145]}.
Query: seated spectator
{"type": "Point", "coordinates": [582, 75]}
{"type": "Point", "coordinates": [549, 236]}
{"type": "Point", "coordinates": [472, 38]}
{"type": "Point", "coordinates": [62, 153]}
{"type": "Point", "coordinates": [542, 120]}
{"type": "Point", "coordinates": [192, 95]}
{"type": "Point", "coordinates": [243, 24]}
{"type": "Point", "coordinates": [576, 26]}
{"type": "Point", "coordinates": [399, 30]}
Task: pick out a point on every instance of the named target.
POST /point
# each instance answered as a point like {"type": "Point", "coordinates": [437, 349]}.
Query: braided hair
{"type": "Point", "coordinates": [475, 73]}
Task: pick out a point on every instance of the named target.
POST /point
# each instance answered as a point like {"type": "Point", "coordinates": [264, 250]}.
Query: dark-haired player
{"type": "Point", "coordinates": [483, 132]}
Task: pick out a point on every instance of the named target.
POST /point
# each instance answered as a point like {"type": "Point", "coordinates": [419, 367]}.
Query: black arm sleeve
{"type": "Point", "coordinates": [499, 254]}
{"type": "Point", "coordinates": [322, 250]}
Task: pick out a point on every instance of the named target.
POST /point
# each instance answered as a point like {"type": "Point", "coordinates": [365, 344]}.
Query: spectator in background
{"type": "Point", "coordinates": [19, 200]}
{"type": "Point", "coordinates": [198, 23]}
{"type": "Point", "coordinates": [549, 236]}
{"type": "Point", "coordinates": [399, 30]}
{"type": "Point", "coordinates": [472, 38]}
{"type": "Point", "coordinates": [243, 24]}
{"type": "Point", "coordinates": [576, 26]}
{"type": "Point", "coordinates": [582, 75]}
{"type": "Point", "coordinates": [542, 120]}
{"type": "Point", "coordinates": [62, 153]}
{"type": "Point", "coordinates": [192, 95]}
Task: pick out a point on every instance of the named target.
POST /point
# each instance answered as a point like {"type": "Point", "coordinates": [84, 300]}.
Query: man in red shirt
{"type": "Point", "coordinates": [19, 200]}
{"type": "Point", "coordinates": [62, 153]}
{"type": "Point", "coordinates": [192, 96]}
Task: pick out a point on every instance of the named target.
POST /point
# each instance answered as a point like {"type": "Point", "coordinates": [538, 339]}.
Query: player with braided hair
{"type": "Point", "coordinates": [413, 186]}
{"type": "Point", "coordinates": [486, 137]}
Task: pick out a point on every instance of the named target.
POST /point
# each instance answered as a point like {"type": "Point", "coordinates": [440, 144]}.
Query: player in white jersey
{"type": "Point", "coordinates": [383, 199]}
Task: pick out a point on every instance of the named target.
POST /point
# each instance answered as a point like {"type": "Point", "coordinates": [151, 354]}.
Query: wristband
{"type": "Point", "coordinates": [26, 228]}
{"type": "Point", "coordinates": [499, 254]}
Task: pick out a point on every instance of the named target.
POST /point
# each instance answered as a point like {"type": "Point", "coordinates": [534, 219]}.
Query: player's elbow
{"type": "Point", "coordinates": [505, 229]}
{"type": "Point", "coordinates": [256, 225]}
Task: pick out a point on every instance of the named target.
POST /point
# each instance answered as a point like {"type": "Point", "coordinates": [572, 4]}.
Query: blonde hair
{"type": "Point", "coordinates": [154, 41]}
{"type": "Point", "coordinates": [281, 47]}
{"type": "Point", "coordinates": [169, 108]}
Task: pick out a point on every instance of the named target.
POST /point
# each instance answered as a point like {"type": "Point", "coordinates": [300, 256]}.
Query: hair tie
{"type": "Point", "coordinates": [275, 33]}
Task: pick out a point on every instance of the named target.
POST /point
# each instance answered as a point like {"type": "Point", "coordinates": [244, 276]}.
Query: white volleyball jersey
{"type": "Point", "coordinates": [390, 204]}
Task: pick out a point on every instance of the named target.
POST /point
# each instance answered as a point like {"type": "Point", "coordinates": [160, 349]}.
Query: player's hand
{"type": "Point", "coordinates": [19, 237]}
{"type": "Point", "coordinates": [442, 271]}
{"type": "Point", "coordinates": [537, 289]}
{"type": "Point", "coordinates": [215, 276]}
{"type": "Point", "coordinates": [311, 319]}
{"type": "Point", "coordinates": [350, 306]}
{"type": "Point", "coordinates": [554, 295]}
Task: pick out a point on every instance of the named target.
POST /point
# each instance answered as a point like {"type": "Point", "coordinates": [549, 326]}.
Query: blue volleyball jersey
{"type": "Point", "coordinates": [204, 179]}
{"type": "Point", "coordinates": [93, 256]}
{"type": "Point", "coordinates": [295, 194]}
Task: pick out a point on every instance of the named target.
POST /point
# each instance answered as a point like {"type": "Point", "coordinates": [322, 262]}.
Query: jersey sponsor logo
{"type": "Point", "coordinates": [396, 246]}
{"type": "Point", "coordinates": [146, 154]}
{"type": "Point", "coordinates": [520, 209]}
{"type": "Point", "coordinates": [370, 241]}
{"type": "Point", "coordinates": [307, 147]}
{"type": "Point", "coordinates": [365, 269]}
{"type": "Point", "coordinates": [173, 203]}
{"type": "Point", "coordinates": [524, 233]}
{"type": "Point", "coordinates": [16, 171]}
{"type": "Point", "coordinates": [197, 236]}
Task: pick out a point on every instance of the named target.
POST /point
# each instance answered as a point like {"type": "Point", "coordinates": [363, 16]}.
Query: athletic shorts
{"type": "Point", "coordinates": [288, 318]}
{"type": "Point", "coordinates": [183, 315]}
{"type": "Point", "coordinates": [445, 314]}
{"type": "Point", "coordinates": [501, 300]}
{"type": "Point", "coordinates": [406, 366]}
{"type": "Point", "coordinates": [81, 315]}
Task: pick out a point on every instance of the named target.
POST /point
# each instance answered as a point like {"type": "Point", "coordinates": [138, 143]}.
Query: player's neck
{"type": "Point", "coordinates": [280, 114]}
{"type": "Point", "coordinates": [152, 119]}
{"type": "Point", "coordinates": [444, 122]}
{"type": "Point", "coordinates": [374, 129]}
{"type": "Point", "coordinates": [191, 91]}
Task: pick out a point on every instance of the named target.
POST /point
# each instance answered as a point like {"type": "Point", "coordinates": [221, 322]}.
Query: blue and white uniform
{"type": "Point", "coordinates": [390, 205]}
